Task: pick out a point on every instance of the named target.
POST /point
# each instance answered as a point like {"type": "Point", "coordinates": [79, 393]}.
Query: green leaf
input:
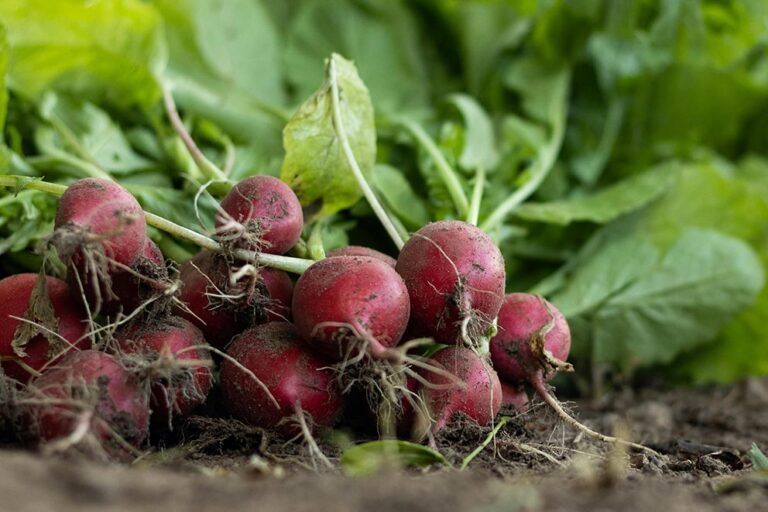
{"type": "Point", "coordinates": [758, 458]}
{"type": "Point", "coordinates": [479, 139]}
{"type": "Point", "coordinates": [605, 205]}
{"type": "Point", "coordinates": [26, 216]}
{"type": "Point", "coordinates": [108, 51]}
{"type": "Point", "coordinates": [654, 311]}
{"type": "Point", "coordinates": [3, 67]}
{"type": "Point", "coordinates": [225, 65]}
{"type": "Point", "coordinates": [375, 456]}
{"type": "Point", "coordinates": [400, 196]}
{"type": "Point", "coordinates": [379, 35]}
{"type": "Point", "coordinates": [90, 133]}
{"type": "Point", "coordinates": [315, 165]}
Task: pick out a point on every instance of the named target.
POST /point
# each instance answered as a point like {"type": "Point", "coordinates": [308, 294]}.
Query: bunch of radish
{"type": "Point", "coordinates": [289, 352]}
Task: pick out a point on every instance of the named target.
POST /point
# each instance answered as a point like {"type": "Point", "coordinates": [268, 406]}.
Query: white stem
{"type": "Point", "coordinates": [350, 156]}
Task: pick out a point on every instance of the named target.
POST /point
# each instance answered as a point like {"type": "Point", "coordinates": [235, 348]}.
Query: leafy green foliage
{"type": "Point", "coordinates": [225, 65]}
{"type": "Point", "coordinates": [375, 456]}
{"type": "Point", "coordinates": [315, 165]}
{"type": "Point", "coordinates": [108, 51]}
{"type": "Point", "coordinates": [603, 206]}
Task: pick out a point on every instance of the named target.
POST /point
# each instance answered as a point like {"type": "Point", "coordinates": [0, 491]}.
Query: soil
{"type": "Point", "coordinates": [535, 464]}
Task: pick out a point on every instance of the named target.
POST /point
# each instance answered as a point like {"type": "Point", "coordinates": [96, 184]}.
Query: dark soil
{"type": "Point", "coordinates": [535, 464]}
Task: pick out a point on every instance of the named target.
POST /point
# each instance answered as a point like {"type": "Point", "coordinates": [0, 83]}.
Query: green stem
{"type": "Point", "coordinates": [469, 458]}
{"type": "Point", "coordinates": [352, 161]}
{"type": "Point", "coordinates": [448, 175]}
{"type": "Point", "coordinates": [477, 197]}
{"type": "Point", "coordinates": [206, 166]}
{"type": "Point", "coordinates": [286, 263]}
{"type": "Point", "coordinates": [539, 170]}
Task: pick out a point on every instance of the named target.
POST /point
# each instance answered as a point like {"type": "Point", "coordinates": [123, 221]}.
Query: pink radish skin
{"type": "Point", "coordinates": [455, 275]}
{"type": "Point", "coordinates": [295, 377]}
{"type": "Point", "coordinates": [531, 346]}
{"type": "Point", "coordinates": [169, 346]}
{"type": "Point", "coordinates": [522, 317]}
{"type": "Point", "coordinates": [514, 397]}
{"type": "Point", "coordinates": [479, 398]}
{"type": "Point", "coordinates": [270, 208]}
{"type": "Point", "coordinates": [106, 391]}
{"type": "Point", "coordinates": [338, 299]}
{"type": "Point", "coordinates": [221, 320]}
{"type": "Point", "coordinates": [358, 250]}
{"type": "Point", "coordinates": [107, 211]}
{"type": "Point", "coordinates": [16, 292]}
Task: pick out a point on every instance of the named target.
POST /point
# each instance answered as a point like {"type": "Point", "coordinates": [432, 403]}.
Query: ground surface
{"type": "Point", "coordinates": [536, 464]}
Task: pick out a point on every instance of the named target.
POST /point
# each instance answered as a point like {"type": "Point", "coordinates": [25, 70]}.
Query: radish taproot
{"type": "Point", "coordinates": [297, 381]}
{"type": "Point", "coordinates": [530, 347]}
{"type": "Point", "coordinates": [348, 307]}
{"type": "Point", "coordinates": [223, 300]}
{"type": "Point", "coordinates": [455, 277]}
{"type": "Point", "coordinates": [472, 388]}
{"type": "Point", "coordinates": [514, 350]}
{"type": "Point", "coordinates": [172, 354]}
{"type": "Point", "coordinates": [261, 213]}
{"type": "Point", "coordinates": [100, 229]}
{"type": "Point", "coordinates": [53, 324]}
{"type": "Point", "coordinates": [87, 401]}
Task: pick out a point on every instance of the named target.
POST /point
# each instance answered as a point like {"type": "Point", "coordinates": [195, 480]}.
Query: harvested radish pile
{"type": "Point", "coordinates": [358, 236]}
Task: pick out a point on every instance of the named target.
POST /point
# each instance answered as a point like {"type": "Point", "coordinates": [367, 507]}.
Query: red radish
{"type": "Point", "coordinates": [88, 397]}
{"type": "Point", "coordinates": [455, 277]}
{"type": "Point", "coordinates": [174, 353]}
{"type": "Point", "coordinates": [102, 213]}
{"type": "Point", "coordinates": [533, 337]}
{"type": "Point", "coordinates": [267, 214]}
{"type": "Point", "coordinates": [514, 397]}
{"type": "Point", "coordinates": [358, 250]}
{"type": "Point", "coordinates": [146, 278]}
{"type": "Point", "coordinates": [343, 303]}
{"type": "Point", "coordinates": [222, 308]}
{"type": "Point", "coordinates": [296, 378]}
{"type": "Point", "coordinates": [474, 390]}
{"type": "Point", "coordinates": [66, 318]}
{"type": "Point", "coordinates": [531, 346]}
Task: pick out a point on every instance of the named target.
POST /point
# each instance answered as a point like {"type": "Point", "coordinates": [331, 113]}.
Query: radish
{"type": "Point", "coordinates": [87, 401]}
{"type": "Point", "coordinates": [145, 278]}
{"type": "Point", "coordinates": [514, 350]}
{"type": "Point", "coordinates": [351, 306]}
{"type": "Point", "coordinates": [455, 278]}
{"type": "Point", "coordinates": [474, 389]}
{"type": "Point", "coordinates": [531, 346]}
{"type": "Point", "coordinates": [100, 229]}
{"type": "Point", "coordinates": [261, 213]}
{"type": "Point", "coordinates": [358, 250]}
{"type": "Point", "coordinates": [101, 212]}
{"type": "Point", "coordinates": [174, 356]}
{"type": "Point", "coordinates": [296, 379]}
{"type": "Point", "coordinates": [222, 300]}
{"type": "Point", "coordinates": [59, 324]}
{"type": "Point", "coordinates": [514, 396]}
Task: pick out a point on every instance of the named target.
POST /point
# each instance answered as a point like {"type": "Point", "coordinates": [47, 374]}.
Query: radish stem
{"type": "Point", "coordinates": [341, 133]}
